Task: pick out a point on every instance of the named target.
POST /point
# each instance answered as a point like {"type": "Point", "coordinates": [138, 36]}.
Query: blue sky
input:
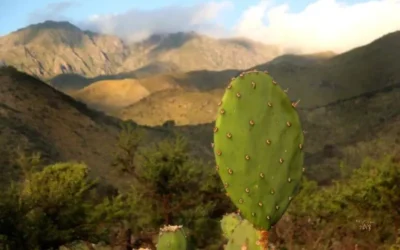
{"type": "Point", "coordinates": [15, 14]}
{"type": "Point", "coordinates": [295, 25]}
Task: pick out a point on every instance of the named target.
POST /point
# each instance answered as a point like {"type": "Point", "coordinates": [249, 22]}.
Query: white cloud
{"type": "Point", "coordinates": [138, 24]}
{"type": "Point", "coordinates": [322, 25]}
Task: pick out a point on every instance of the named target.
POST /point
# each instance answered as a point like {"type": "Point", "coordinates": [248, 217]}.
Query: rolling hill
{"type": "Point", "coordinates": [52, 48]}
{"type": "Point", "coordinates": [38, 118]}
{"type": "Point", "coordinates": [314, 79]}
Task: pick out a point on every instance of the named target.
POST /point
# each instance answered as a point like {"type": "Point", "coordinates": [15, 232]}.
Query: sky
{"type": "Point", "coordinates": [306, 26]}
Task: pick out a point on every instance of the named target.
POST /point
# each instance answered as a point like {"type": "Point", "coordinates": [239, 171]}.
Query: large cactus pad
{"type": "Point", "coordinates": [172, 238]}
{"type": "Point", "coordinates": [258, 143]}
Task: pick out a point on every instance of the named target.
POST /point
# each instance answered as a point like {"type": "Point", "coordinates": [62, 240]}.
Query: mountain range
{"type": "Point", "coordinates": [51, 48]}
{"type": "Point", "coordinates": [348, 102]}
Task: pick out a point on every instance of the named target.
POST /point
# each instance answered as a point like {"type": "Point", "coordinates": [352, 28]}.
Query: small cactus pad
{"type": "Point", "coordinates": [229, 222]}
{"type": "Point", "coordinates": [172, 238]}
{"type": "Point", "coordinates": [258, 143]}
{"type": "Point", "coordinates": [245, 236]}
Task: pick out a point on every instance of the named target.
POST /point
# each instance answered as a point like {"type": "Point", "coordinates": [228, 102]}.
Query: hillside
{"type": "Point", "coordinates": [35, 117]}
{"type": "Point", "coordinates": [365, 125]}
{"type": "Point", "coordinates": [52, 48]}
{"type": "Point", "coordinates": [112, 94]}
{"type": "Point", "coordinates": [313, 79]}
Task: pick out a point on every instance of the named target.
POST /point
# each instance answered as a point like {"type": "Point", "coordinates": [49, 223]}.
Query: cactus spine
{"type": "Point", "coordinates": [258, 143]}
{"type": "Point", "coordinates": [172, 238]}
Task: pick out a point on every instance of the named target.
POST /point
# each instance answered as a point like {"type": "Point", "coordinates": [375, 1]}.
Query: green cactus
{"type": "Point", "coordinates": [229, 222]}
{"type": "Point", "coordinates": [172, 238]}
{"type": "Point", "coordinates": [258, 143]}
{"type": "Point", "coordinates": [245, 236]}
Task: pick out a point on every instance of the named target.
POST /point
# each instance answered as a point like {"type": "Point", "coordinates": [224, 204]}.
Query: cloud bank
{"type": "Point", "coordinates": [137, 24]}
{"type": "Point", "coordinates": [322, 25]}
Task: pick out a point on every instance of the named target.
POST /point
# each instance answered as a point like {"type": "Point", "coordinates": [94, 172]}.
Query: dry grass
{"type": "Point", "coordinates": [110, 95]}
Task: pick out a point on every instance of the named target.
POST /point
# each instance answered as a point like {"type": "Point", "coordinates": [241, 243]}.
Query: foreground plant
{"type": "Point", "coordinates": [258, 143]}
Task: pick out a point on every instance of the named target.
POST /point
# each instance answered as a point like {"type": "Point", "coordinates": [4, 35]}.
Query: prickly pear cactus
{"type": "Point", "coordinates": [229, 222]}
{"type": "Point", "coordinates": [258, 143]}
{"type": "Point", "coordinates": [172, 238]}
{"type": "Point", "coordinates": [245, 236]}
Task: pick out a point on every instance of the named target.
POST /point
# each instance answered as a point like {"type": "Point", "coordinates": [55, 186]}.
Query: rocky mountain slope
{"type": "Point", "coordinates": [52, 48]}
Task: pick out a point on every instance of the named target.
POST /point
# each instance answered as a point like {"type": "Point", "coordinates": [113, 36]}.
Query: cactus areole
{"type": "Point", "coordinates": [258, 143]}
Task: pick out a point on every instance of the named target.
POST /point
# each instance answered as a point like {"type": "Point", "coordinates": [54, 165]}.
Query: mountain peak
{"type": "Point", "coordinates": [49, 24]}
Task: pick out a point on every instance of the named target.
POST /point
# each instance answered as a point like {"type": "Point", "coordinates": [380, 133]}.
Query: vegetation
{"type": "Point", "coordinates": [60, 204]}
